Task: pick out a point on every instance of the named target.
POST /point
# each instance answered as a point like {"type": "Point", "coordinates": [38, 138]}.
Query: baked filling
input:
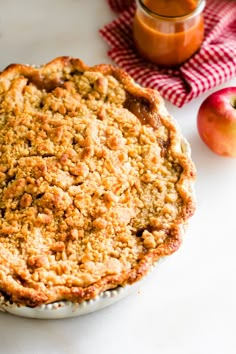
{"type": "Point", "coordinates": [94, 185]}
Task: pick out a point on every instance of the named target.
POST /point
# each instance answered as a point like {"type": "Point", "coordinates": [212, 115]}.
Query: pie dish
{"type": "Point", "coordinates": [95, 182]}
{"type": "Point", "coordinates": [67, 309]}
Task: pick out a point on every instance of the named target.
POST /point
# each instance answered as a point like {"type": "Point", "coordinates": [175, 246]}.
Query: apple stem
{"type": "Point", "coordinates": [233, 103]}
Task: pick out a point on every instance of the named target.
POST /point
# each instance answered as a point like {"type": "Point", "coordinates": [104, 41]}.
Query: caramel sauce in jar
{"type": "Point", "coordinates": [168, 32]}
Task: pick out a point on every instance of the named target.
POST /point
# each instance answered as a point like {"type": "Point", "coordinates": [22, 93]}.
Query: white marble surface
{"type": "Point", "coordinates": [188, 306]}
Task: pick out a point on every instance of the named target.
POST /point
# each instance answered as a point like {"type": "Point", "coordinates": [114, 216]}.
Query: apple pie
{"type": "Point", "coordinates": [95, 181]}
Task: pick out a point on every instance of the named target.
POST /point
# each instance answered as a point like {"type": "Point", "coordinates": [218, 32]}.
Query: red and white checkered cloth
{"type": "Point", "coordinates": [212, 65]}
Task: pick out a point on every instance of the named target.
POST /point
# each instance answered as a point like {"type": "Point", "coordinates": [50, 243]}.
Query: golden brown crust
{"type": "Point", "coordinates": [95, 186]}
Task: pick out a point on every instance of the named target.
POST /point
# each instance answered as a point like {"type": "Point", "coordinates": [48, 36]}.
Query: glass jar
{"type": "Point", "coordinates": [168, 40]}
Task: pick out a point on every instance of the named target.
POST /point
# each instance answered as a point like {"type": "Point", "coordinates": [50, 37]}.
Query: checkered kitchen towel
{"type": "Point", "coordinates": [214, 64]}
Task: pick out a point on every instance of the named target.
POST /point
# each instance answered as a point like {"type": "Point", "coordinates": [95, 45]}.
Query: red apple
{"type": "Point", "coordinates": [216, 121]}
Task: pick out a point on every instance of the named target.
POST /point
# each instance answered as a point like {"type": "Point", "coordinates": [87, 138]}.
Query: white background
{"type": "Point", "coordinates": [188, 305]}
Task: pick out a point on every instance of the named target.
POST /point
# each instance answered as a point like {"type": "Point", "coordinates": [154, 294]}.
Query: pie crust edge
{"type": "Point", "coordinates": [31, 297]}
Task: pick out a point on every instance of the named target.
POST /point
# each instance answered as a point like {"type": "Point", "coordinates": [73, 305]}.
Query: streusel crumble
{"type": "Point", "coordinates": [94, 185]}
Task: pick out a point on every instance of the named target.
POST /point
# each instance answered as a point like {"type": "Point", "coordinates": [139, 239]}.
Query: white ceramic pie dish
{"type": "Point", "coordinates": [68, 309]}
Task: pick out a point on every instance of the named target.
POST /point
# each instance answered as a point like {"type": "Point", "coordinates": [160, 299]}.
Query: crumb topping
{"type": "Point", "coordinates": [87, 189]}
